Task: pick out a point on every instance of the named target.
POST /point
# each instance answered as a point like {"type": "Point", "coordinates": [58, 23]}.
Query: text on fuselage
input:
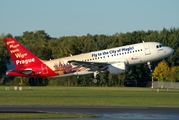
{"type": "Point", "coordinates": [113, 51]}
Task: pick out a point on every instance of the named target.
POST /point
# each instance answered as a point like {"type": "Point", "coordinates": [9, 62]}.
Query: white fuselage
{"type": "Point", "coordinates": [130, 54]}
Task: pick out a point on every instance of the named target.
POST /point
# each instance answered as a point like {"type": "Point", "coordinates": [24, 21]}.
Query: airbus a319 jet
{"type": "Point", "coordinates": [115, 60]}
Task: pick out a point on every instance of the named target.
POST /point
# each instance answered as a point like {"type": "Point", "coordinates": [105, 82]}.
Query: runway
{"type": "Point", "coordinates": [103, 112]}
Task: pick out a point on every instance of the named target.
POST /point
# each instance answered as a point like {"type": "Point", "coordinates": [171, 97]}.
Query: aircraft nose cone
{"type": "Point", "coordinates": [171, 51]}
{"type": "Point", "coordinates": [168, 51]}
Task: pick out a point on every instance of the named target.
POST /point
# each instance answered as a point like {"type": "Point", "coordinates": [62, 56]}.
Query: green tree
{"type": "Point", "coordinates": [103, 79]}
{"type": "Point", "coordinates": [37, 43]}
{"type": "Point", "coordinates": [161, 71]}
{"type": "Point", "coordinates": [4, 56]}
{"type": "Point", "coordinates": [174, 73]}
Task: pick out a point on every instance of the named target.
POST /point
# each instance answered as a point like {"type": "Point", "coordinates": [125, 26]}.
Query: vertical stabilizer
{"type": "Point", "coordinates": [27, 64]}
{"type": "Point", "coordinates": [22, 57]}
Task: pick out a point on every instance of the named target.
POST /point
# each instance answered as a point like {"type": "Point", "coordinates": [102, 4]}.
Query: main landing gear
{"type": "Point", "coordinates": [96, 77]}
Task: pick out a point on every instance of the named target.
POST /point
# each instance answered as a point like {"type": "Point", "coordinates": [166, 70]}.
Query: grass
{"type": "Point", "coordinates": [4, 116]}
{"type": "Point", "coordinates": [89, 96]}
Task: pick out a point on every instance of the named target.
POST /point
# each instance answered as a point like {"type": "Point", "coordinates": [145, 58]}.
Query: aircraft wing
{"type": "Point", "coordinates": [91, 65]}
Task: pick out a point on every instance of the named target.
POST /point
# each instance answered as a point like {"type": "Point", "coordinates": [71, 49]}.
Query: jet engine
{"type": "Point", "coordinates": [117, 68]}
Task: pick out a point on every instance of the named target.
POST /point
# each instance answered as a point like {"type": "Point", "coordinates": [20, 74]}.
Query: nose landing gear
{"type": "Point", "coordinates": [150, 66]}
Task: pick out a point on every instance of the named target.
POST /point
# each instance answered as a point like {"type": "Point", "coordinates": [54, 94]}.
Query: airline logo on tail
{"type": "Point", "coordinates": [26, 63]}
{"type": "Point", "coordinates": [14, 50]}
{"type": "Point", "coordinates": [19, 54]}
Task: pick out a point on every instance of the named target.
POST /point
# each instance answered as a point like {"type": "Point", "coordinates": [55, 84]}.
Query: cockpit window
{"type": "Point", "coordinates": [159, 46]}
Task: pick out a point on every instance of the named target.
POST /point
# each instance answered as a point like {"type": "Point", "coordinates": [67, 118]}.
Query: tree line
{"type": "Point", "coordinates": [46, 47]}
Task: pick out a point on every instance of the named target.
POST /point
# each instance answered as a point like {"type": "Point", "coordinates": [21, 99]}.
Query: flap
{"type": "Point", "coordinates": [91, 65]}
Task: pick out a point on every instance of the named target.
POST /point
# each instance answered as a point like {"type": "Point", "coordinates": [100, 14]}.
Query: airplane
{"type": "Point", "coordinates": [115, 60]}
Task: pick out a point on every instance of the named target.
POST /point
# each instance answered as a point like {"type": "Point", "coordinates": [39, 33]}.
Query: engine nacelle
{"type": "Point", "coordinates": [117, 68]}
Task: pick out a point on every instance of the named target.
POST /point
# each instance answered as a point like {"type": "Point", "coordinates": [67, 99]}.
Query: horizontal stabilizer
{"type": "Point", "coordinates": [24, 71]}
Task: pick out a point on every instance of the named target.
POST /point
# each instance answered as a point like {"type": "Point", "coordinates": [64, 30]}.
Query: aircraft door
{"type": "Point", "coordinates": [44, 69]}
{"type": "Point", "coordinates": [147, 49]}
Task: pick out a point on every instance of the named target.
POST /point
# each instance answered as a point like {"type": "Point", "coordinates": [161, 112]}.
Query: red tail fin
{"type": "Point", "coordinates": [22, 57]}
{"type": "Point", "coordinates": [27, 64]}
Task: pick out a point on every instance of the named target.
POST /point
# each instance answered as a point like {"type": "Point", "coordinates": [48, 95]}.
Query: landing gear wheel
{"type": "Point", "coordinates": [95, 80]}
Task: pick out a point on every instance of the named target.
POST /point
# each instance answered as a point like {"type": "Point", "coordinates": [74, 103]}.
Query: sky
{"type": "Point", "coordinates": [81, 17]}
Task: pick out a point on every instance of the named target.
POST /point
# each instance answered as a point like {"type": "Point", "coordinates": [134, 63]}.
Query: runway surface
{"type": "Point", "coordinates": [103, 112]}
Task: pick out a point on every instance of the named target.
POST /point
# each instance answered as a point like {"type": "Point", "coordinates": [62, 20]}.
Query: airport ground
{"type": "Point", "coordinates": [126, 97]}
